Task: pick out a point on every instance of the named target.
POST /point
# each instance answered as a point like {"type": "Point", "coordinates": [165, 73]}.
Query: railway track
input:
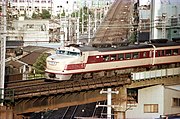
{"type": "Point", "coordinates": [29, 88]}
{"type": "Point", "coordinates": [115, 26]}
{"type": "Point", "coordinates": [20, 83]}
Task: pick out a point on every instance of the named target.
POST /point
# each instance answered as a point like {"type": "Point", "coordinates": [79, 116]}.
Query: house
{"type": "Point", "coordinates": [33, 53]}
{"type": "Point", "coordinates": [24, 64]}
{"type": "Point", "coordinates": [155, 102]}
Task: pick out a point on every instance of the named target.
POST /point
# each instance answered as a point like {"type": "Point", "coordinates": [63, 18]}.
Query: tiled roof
{"type": "Point", "coordinates": [15, 64]}
{"type": "Point", "coordinates": [30, 58]}
{"type": "Point", "coordinates": [36, 49]}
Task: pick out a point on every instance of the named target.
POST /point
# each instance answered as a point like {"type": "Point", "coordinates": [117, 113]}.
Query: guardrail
{"type": "Point", "coordinates": [155, 73]}
{"type": "Point", "coordinates": [7, 96]}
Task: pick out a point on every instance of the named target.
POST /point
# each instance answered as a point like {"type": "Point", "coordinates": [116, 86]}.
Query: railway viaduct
{"type": "Point", "coordinates": [51, 96]}
{"type": "Point", "coordinates": [45, 96]}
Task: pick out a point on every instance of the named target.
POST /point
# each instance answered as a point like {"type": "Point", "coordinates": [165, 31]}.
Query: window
{"type": "Point", "coordinates": [135, 55]}
{"type": "Point", "coordinates": [43, 1]}
{"type": "Point", "coordinates": [67, 53]}
{"type": "Point", "coordinates": [106, 58]}
{"type": "Point", "coordinates": [175, 31]}
{"type": "Point", "coordinates": [176, 102]}
{"type": "Point", "coordinates": [158, 53]}
{"type": "Point", "coordinates": [175, 52]}
{"type": "Point", "coordinates": [145, 54]}
{"type": "Point", "coordinates": [113, 57]}
{"type": "Point", "coordinates": [120, 56]}
{"type": "Point", "coordinates": [21, 7]}
{"type": "Point", "coordinates": [150, 108]}
{"type": "Point", "coordinates": [128, 56]}
{"type": "Point", "coordinates": [162, 53]}
{"type": "Point", "coordinates": [43, 8]}
{"type": "Point", "coordinates": [168, 52]}
{"type": "Point", "coordinates": [21, 1]}
{"type": "Point", "coordinates": [30, 26]}
{"type": "Point", "coordinates": [37, 1]}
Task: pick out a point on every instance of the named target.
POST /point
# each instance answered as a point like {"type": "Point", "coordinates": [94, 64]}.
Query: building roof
{"type": "Point", "coordinates": [15, 64]}
{"type": "Point", "coordinates": [174, 87]}
{"type": "Point", "coordinates": [38, 49]}
{"type": "Point", "coordinates": [30, 58]}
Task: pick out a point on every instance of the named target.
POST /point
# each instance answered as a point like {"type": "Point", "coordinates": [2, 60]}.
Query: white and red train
{"type": "Point", "coordinates": [92, 62]}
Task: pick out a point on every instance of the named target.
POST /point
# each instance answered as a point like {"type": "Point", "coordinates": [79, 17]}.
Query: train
{"type": "Point", "coordinates": [95, 61]}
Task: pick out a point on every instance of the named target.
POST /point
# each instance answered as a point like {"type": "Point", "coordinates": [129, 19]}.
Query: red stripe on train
{"type": "Point", "coordinates": [75, 66]}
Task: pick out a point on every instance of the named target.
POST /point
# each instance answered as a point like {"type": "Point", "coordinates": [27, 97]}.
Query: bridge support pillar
{"type": "Point", "coordinates": [6, 112]}
{"type": "Point", "coordinates": [21, 117]}
{"type": "Point", "coordinates": [120, 102]}
{"type": "Point", "coordinates": [120, 115]}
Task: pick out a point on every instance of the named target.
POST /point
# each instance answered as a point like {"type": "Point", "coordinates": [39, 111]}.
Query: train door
{"type": "Point", "coordinates": [153, 59]}
{"type": "Point", "coordinates": [152, 54]}
{"type": "Point", "coordinates": [83, 57]}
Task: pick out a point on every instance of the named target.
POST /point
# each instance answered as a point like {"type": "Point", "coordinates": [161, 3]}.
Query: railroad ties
{"type": "Point", "coordinates": [40, 87]}
{"type": "Point", "coordinates": [116, 24]}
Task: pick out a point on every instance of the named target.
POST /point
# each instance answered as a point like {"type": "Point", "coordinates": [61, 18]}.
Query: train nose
{"type": "Point", "coordinates": [51, 75]}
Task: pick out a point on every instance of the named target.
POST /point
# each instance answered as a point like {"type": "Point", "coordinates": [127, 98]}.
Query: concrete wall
{"type": "Point", "coordinates": [170, 93]}
{"type": "Point", "coordinates": [6, 112]}
{"type": "Point", "coordinates": [159, 94]}
{"type": "Point", "coordinates": [149, 95]}
{"type": "Point", "coordinates": [33, 30]}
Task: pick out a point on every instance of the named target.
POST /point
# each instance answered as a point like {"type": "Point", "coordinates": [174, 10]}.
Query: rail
{"type": "Point", "coordinates": [55, 87]}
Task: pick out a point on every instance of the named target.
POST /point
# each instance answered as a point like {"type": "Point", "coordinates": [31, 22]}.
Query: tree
{"type": "Point", "coordinates": [35, 15]}
{"type": "Point", "coordinates": [85, 12]}
{"type": "Point", "coordinates": [40, 63]}
{"type": "Point", "coordinates": [45, 14]}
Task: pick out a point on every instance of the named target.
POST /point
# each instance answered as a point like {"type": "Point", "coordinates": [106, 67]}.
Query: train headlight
{"type": "Point", "coordinates": [52, 62]}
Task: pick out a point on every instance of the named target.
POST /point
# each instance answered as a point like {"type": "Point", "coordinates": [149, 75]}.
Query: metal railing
{"type": "Point", "coordinates": [7, 96]}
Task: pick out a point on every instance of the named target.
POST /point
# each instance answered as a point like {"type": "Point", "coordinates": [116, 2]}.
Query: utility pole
{"type": "Point", "coordinates": [109, 103]}
{"type": "Point", "coordinates": [3, 26]}
{"type": "Point", "coordinates": [82, 22]}
{"type": "Point", "coordinates": [89, 24]}
{"type": "Point", "coordinates": [78, 17]}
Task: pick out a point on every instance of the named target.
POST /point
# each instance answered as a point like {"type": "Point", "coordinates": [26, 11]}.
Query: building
{"type": "Point", "coordinates": [29, 7]}
{"type": "Point", "coordinates": [155, 102]}
{"type": "Point", "coordinates": [164, 18]}
{"type": "Point", "coordinates": [29, 31]}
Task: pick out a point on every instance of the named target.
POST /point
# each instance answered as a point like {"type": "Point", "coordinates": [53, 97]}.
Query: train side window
{"type": "Point", "coordinates": [162, 53]}
{"type": "Point", "coordinates": [128, 56]}
{"type": "Point", "coordinates": [135, 55]}
{"type": "Point", "coordinates": [60, 52]}
{"type": "Point", "coordinates": [106, 58]}
{"type": "Point", "coordinates": [168, 52]}
{"type": "Point", "coordinates": [175, 51]}
{"type": "Point", "coordinates": [113, 57]}
{"type": "Point", "coordinates": [144, 54]}
{"type": "Point", "coordinates": [121, 57]}
{"type": "Point", "coordinates": [158, 53]}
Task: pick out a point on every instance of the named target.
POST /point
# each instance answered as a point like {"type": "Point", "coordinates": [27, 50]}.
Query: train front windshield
{"type": "Point", "coordinates": [63, 52]}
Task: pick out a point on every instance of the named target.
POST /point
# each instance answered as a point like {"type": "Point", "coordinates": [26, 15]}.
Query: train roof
{"type": "Point", "coordinates": [129, 47]}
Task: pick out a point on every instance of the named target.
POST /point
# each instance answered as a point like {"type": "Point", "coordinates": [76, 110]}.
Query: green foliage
{"type": "Point", "coordinates": [35, 16]}
{"type": "Point", "coordinates": [83, 16]}
{"type": "Point", "coordinates": [45, 14]}
{"type": "Point", "coordinates": [63, 14]}
{"type": "Point", "coordinates": [132, 38]}
{"type": "Point", "coordinates": [40, 63]}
